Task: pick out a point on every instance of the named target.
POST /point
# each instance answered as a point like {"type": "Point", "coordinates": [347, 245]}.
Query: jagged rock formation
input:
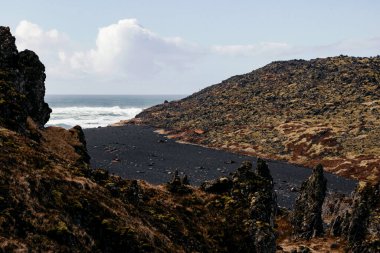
{"type": "Point", "coordinates": [307, 216]}
{"type": "Point", "coordinates": [22, 88]}
{"type": "Point", "coordinates": [357, 218]}
{"type": "Point", "coordinates": [352, 222]}
{"type": "Point", "coordinates": [306, 112]}
{"type": "Point", "coordinates": [253, 191]}
{"type": "Point", "coordinates": [178, 184]}
{"type": "Point", "coordinates": [362, 226]}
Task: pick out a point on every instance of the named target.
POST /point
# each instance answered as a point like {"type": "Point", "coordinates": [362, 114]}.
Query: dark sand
{"type": "Point", "coordinates": [136, 152]}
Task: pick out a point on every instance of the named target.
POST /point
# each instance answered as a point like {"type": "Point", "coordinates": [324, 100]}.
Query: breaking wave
{"type": "Point", "coordinates": [88, 117]}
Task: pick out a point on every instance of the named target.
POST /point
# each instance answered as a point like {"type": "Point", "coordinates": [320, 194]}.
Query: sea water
{"type": "Point", "coordinates": [90, 111]}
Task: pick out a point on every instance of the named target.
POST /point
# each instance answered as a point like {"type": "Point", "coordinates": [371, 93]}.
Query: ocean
{"type": "Point", "coordinates": [90, 111]}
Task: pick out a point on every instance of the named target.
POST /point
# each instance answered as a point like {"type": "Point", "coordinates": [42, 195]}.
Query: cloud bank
{"type": "Point", "coordinates": [129, 58]}
{"type": "Point", "coordinates": [128, 48]}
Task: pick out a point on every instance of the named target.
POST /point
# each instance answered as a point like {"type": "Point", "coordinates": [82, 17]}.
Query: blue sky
{"type": "Point", "coordinates": [179, 47]}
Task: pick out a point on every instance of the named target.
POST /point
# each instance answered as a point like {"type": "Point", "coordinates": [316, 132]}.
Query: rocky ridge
{"type": "Point", "coordinates": [323, 110]}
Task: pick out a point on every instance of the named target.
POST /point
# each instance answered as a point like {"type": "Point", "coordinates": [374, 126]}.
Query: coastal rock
{"type": "Point", "coordinates": [80, 148]}
{"type": "Point", "coordinates": [8, 49]}
{"type": "Point", "coordinates": [178, 184]}
{"type": "Point", "coordinates": [307, 216]}
{"type": "Point", "coordinates": [356, 218]}
{"type": "Point", "coordinates": [257, 188]}
{"type": "Point", "coordinates": [361, 227]}
{"type": "Point", "coordinates": [262, 170]}
{"type": "Point", "coordinates": [33, 72]}
{"type": "Point", "coordinates": [22, 77]}
{"type": "Point", "coordinates": [220, 185]}
{"type": "Point", "coordinates": [134, 193]}
{"type": "Point", "coordinates": [249, 198]}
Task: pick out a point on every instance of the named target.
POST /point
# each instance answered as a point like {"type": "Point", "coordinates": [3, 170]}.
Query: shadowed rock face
{"type": "Point", "coordinates": [362, 229]}
{"type": "Point", "coordinates": [307, 216]}
{"type": "Point", "coordinates": [22, 88]}
{"type": "Point", "coordinates": [8, 50]}
{"type": "Point", "coordinates": [358, 218]}
{"type": "Point", "coordinates": [253, 191]}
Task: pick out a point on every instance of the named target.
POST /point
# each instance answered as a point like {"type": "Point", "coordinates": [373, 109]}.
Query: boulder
{"type": "Point", "coordinates": [178, 184]}
{"type": "Point", "coordinates": [220, 185]}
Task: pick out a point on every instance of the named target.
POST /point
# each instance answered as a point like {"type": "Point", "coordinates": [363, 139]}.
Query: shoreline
{"type": "Point", "coordinates": [138, 152]}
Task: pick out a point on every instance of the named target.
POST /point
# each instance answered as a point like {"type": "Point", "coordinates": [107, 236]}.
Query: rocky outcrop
{"type": "Point", "coordinates": [358, 221]}
{"type": "Point", "coordinates": [178, 184]}
{"type": "Point", "coordinates": [251, 192]}
{"type": "Point", "coordinates": [22, 88]}
{"type": "Point", "coordinates": [8, 49]}
{"type": "Point", "coordinates": [33, 72]}
{"type": "Point", "coordinates": [80, 147]}
{"type": "Point", "coordinates": [219, 185]}
{"type": "Point", "coordinates": [307, 216]}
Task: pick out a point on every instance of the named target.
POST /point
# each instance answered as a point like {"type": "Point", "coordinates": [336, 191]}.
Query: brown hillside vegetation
{"type": "Point", "coordinates": [305, 112]}
{"type": "Point", "coordinates": [51, 201]}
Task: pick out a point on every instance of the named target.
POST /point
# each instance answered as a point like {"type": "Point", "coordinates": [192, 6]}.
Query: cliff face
{"type": "Point", "coordinates": [306, 112]}
{"type": "Point", "coordinates": [22, 88]}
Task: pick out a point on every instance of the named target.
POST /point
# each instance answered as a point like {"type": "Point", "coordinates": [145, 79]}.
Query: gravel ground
{"type": "Point", "coordinates": [137, 152]}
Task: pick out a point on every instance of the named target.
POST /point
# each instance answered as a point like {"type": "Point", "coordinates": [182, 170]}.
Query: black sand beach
{"type": "Point", "coordinates": [137, 152]}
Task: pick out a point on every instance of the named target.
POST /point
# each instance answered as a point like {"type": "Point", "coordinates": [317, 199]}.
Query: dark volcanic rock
{"type": "Point", "coordinates": [81, 148]}
{"type": "Point", "coordinates": [263, 170]}
{"type": "Point", "coordinates": [22, 88]}
{"type": "Point", "coordinates": [33, 72]}
{"type": "Point", "coordinates": [220, 185]}
{"type": "Point", "coordinates": [178, 184]}
{"type": "Point", "coordinates": [249, 191]}
{"type": "Point", "coordinates": [362, 226]}
{"type": "Point", "coordinates": [8, 50]}
{"type": "Point", "coordinates": [307, 217]}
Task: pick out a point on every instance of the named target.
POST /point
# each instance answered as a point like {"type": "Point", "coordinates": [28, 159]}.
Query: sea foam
{"type": "Point", "coordinates": [88, 117]}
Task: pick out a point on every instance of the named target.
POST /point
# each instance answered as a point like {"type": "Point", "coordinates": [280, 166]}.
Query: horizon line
{"type": "Point", "coordinates": [64, 94]}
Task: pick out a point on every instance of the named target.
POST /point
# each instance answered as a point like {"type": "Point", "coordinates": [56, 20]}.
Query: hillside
{"type": "Point", "coordinates": [306, 112]}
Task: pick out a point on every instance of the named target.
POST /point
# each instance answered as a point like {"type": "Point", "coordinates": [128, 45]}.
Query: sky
{"type": "Point", "coordinates": [180, 47]}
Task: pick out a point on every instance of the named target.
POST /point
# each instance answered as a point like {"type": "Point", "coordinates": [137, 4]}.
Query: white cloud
{"type": "Point", "coordinates": [128, 49]}
{"type": "Point", "coordinates": [46, 43]}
